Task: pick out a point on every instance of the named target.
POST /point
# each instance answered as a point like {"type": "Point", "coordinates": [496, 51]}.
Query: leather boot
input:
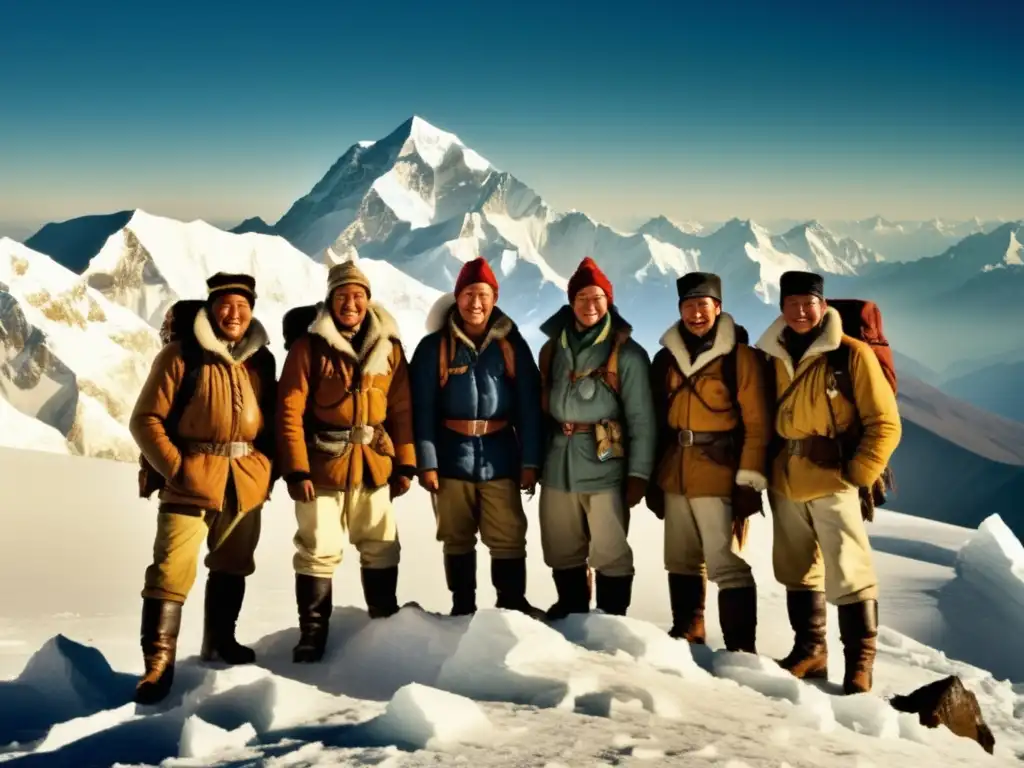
{"type": "Point", "coordinates": [807, 616]}
{"type": "Point", "coordinates": [224, 595]}
{"type": "Point", "coordinates": [573, 597]}
{"type": "Point", "coordinates": [314, 598]}
{"type": "Point", "coordinates": [460, 573]}
{"type": "Point", "coordinates": [737, 612]}
{"type": "Point", "coordinates": [509, 579]}
{"type": "Point", "coordinates": [614, 593]}
{"type": "Point", "coordinates": [858, 629]}
{"type": "Point", "coordinates": [686, 596]}
{"type": "Point", "coordinates": [380, 588]}
{"type": "Point", "coordinates": [161, 622]}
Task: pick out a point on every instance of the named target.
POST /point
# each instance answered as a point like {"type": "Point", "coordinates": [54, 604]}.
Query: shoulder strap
{"type": "Point", "coordinates": [610, 372]}
{"type": "Point", "coordinates": [192, 356]}
{"type": "Point", "coordinates": [508, 352]}
{"type": "Point", "coordinates": [546, 362]}
{"type": "Point", "coordinates": [839, 364]}
{"type": "Point", "coordinates": [442, 359]}
{"type": "Point", "coordinates": [730, 374]}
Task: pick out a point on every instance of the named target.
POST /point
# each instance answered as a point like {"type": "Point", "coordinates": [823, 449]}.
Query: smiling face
{"type": "Point", "coordinates": [348, 305]}
{"type": "Point", "coordinates": [233, 314]}
{"type": "Point", "coordinates": [699, 315]}
{"type": "Point", "coordinates": [590, 305]}
{"type": "Point", "coordinates": [476, 302]}
{"type": "Point", "coordinates": [803, 313]}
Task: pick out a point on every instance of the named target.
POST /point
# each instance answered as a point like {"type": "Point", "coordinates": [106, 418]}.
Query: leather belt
{"type": "Point", "coordinates": [571, 428]}
{"type": "Point", "coordinates": [228, 450]}
{"type": "Point", "coordinates": [816, 448]}
{"type": "Point", "coordinates": [475, 427]}
{"type": "Point", "coordinates": [687, 438]}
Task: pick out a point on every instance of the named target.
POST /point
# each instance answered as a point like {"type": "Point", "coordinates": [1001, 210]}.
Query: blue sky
{"type": "Point", "coordinates": [762, 110]}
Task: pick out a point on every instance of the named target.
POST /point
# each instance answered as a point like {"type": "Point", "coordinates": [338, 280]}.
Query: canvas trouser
{"type": "Point", "coordinates": [494, 508]}
{"type": "Point", "coordinates": [180, 529]}
{"type": "Point", "coordinates": [822, 545]}
{"type": "Point", "coordinates": [369, 521]}
{"type": "Point", "coordinates": [698, 531]}
{"type": "Point", "coordinates": [577, 528]}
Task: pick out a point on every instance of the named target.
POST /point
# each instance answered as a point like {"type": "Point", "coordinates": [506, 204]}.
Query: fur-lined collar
{"type": "Point", "coordinates": [830, 338]}
{"type": "Point", "coordinates": [443, 315]}
{"type": "Point", "coordinates": [255, 338]}
{"type": "Point", "coordinates": [381, 330]}
{"type": "Point", "coordinates": [725, 340]}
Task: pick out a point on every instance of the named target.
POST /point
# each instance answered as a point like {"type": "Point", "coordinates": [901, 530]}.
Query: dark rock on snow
{"type": "Point", "coordinates": [947, 702]}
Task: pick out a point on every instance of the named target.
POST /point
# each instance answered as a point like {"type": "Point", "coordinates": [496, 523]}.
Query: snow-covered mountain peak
{"type": "Point", "coordinates": [433, 144]}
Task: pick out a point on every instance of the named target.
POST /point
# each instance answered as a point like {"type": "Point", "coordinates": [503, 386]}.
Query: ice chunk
{"type": "Point", "coordinates": [865, 713]}
{"type": "Point", "coordinates": [201, 739]}
{"type": "Point", "coordinates": [418, 715]}
{"type": "Point", "coordinates": [993, 562]}
{"type": "Point", "coordinates": [507, 656]}
{"type": "Point", "coordinates": [70, 731]}
{"type": "Point", "coordinates": [641, 640]}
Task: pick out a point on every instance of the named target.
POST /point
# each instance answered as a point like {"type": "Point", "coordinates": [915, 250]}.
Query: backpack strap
{"type": "Point", "coordinates": [730, 373]}
{"type": "Point", "coordinates": [192, 356]}
{"type": "Point", "coordinates": [442, 359]}
{"type": "Point", "coordinates": [545, 363]}
{"type": "Point", "coordinates": [839, 364]}
{"type": "Point", "coordinates": [508, 353]}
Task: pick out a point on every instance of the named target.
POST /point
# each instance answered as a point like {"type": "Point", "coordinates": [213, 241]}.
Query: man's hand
{"type": "Point", "coordinates": [400, 485]}
{"type": "Point", "coordinates": [636, 487]}
{"type": "Point", "coordinates": [745, 502]}
{"type": "Point", "coordinates": [655, 498]}
{"type": "Point", "coordinates": [430, 481]}
{"type": "Point", "coordinates": [302, 490]}
{"type": "Point", "coordinates": [528, 481]}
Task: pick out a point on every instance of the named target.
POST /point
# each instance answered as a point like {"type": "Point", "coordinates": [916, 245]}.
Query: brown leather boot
{"type": "Point", "coordinates": [161, 621]}
{"type": "Point", "coordinates": [807, 616]}
{"type": "Point", "coordinates": [858, 629]}
{"type": "Point", "coordinates": [686, 595]}
{"type": "Point", "coordinates": [737, 612]}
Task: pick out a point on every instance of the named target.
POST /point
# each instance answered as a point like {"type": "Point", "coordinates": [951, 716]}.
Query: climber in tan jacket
{"type": "Point", "coordinates": [346, 448]}
{"type": "Point", "coordinates": [713, 434]}
{"type": "Point", "coordinates": [213, 463]}
{"type": "Point", "coordinates": [821, 549]}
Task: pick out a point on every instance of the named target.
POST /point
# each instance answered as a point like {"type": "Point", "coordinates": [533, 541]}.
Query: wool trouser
{"type": "Point", "coordinates": [822, 545]}
{"type": "Point", "coordinates": [494, 508]}
{"type": "Point", "coordinates": [699, 531]}
{"type": "Point", "coordinates": [231, 540]}
{"type": "Point", "coordinates": [577, 528]}
{"type": "Point", "coordinates": [323, 524]}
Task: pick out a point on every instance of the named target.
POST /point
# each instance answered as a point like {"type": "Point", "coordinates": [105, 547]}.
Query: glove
{"type": "Point", "coordinates": [636, 487]}
{"type": "Point", "coordinates": [655, 498]}
{"type": "Point", "coordinates": [430, 481]}
{"type": "Point", "coordinates": [400, 486]}
{"type": "Point", "coordinates": [528, 481]}
{"type": "Point", "coordinates": [301, 490]}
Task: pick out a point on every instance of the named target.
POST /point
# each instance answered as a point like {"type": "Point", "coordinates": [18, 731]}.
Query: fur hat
{"type": "Point", "coordinates": [795, 283]}
{"type": "Point", "coordinates": [475, 271]}
{"type": "Point", "coordinates": [587, 274]}
{"type": "Point", "coordinates": [346, 273]}
{"type": "Point", "coordinates": [225, 282]}
{"type": "Point", "coordinates": [699, 285]}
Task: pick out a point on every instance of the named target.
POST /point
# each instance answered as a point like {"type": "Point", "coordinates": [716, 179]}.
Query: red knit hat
{"type": "Point", "coordinates": [588, 273]}
{"type": "Point", "coordinates": [475, 271]}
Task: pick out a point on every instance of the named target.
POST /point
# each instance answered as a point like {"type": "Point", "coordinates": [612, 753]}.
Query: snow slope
{"type": "Point", "coordinates": [911, 240]}
{"type": "Point", "coordinates": [70, 358]}
{"type": "Point", "coordinates": [20, 431]}
{"type": "Point", "coordinates": [494, 689]}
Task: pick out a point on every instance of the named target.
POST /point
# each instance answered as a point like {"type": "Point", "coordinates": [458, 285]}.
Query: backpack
{"type": "Point", "coordinates": [296, 322]}
{"type": "Point", "coordinates": [177, 327]}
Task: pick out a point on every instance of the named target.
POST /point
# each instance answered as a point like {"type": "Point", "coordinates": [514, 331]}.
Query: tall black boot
{"type": "Point", "coordinates": [380, 588]}
{"type": "Point", "coordinates": [314, 599]}
{"type": "Point", "coordinates": [614, 593]}
{"type": "Point", "coordinates": [161, 622]}
{"type": "Point", "coordinates": [224, 595]}
{"type": "Point", "coordinates": [460, 573]}
{"type": "Point", "coordinates": [737, 614]}
{"type": "Point", "coordinates": [687, 594]}
{"type": "Point", "coordinates": [508, 575]}
{"type": "Point", "coordinates": [573, 594]}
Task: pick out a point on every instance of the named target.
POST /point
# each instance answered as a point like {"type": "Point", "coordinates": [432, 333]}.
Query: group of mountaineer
{"type": "Point", "coordinates": [700, 432]}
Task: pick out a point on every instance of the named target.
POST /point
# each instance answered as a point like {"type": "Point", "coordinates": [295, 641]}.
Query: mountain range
{"type": "Point", "coordinates": [417, 204]}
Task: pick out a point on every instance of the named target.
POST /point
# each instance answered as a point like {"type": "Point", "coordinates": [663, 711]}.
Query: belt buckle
{"type": "Point", "coordinates": [568, 429]}
{"type": "Point", "coordinates": [685, 438]}
{"type": "Point", "coordinates": [796, 448]}
{"type": "Point", "coordinates": [361, 435]}
{"type": "Point", "coordinates": [239, 450]}
{"type": "Point", "coordinates": [479, 427]}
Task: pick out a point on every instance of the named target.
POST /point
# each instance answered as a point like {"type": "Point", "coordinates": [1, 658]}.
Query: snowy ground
{"type": "Point", "coordinates": [495, 689]}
